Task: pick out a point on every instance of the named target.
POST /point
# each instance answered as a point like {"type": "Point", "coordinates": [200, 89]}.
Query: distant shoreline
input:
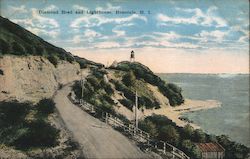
{"type": "Point", "coordinates": [175, 113]}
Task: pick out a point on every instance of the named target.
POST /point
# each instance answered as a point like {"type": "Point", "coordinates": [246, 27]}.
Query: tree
{"type": "Point", "coordinates": [169, 133]}
{"type": "Point", "coordinates": [188, 131]}
{"type": "Point", "coordinates": [149, 127]}
{"type": "Point", "coordinates": [199, 136]}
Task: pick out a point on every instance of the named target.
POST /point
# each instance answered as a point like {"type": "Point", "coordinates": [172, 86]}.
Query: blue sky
{"type": "Point", "coordinates": [186, 29]}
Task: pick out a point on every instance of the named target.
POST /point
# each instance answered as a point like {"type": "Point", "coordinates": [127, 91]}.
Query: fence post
{"type": "Point", "coordinates": [164, 147]}
{"type": "Point", "coordinates": [173, 153]}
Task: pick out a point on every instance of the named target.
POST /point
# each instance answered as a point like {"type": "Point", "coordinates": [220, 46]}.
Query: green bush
{"type": "Point", "coordinates": [46, 106]}
{"type": "Point", "coordinates": [129, 79]}
{"type": "Point", "coordinates": [24, 134]}
{"type": "Point", "coordinates": [39, 134]}
{"type": "Point", "coordinates": [170, 134]}
{"type": "Point", "coordinates": [149, 127]}
{"type": "Point", "coordinates": [127, 103]}
{"type": "Point", "coordinates": [17, 49]}
{"type": "Point", "coordinates": [13, 112]}
{"type": "Point", "coordinates": [53, 59]}
{"type": "Point", "coordinates": [94, 82]}
{"type": "Point", "coordinates": [108, 89]}
{"type": "Point", "coordinates": [70, 58]}
{"type": "Point", "coordinates": [4, 47]}
{"type": "Point", "coordinates": [199, 136]}
{"type": "Point", "coordinates": [191, 149]}
{"type": "Point", "coordinates": [82, 64]}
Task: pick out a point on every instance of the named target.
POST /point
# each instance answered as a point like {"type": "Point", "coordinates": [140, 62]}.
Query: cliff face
{"type": "Point", "coordinates": [32, 78]}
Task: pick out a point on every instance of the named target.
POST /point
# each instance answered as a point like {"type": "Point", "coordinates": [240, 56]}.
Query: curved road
{"type": "Point", "coordinates": [96, 138]}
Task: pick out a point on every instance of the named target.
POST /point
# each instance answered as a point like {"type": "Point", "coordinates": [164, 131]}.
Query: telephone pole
{"type": "Point", "coordinates": [136, 112]}
{"type": "Point", "coordinates": [81, 100]}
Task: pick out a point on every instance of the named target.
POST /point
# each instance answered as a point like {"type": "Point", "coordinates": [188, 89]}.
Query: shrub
{"type": "Point", "coordinates": [107, 87]}
{"type": "Point", "coordinates": [46, 106]}
{"type": "Point", "coordinates": [127, 103]}
{"type": "Point", "coordinates": [108, 99]}
{"type": "Point", "coordinates": [199, 136]}
{"type": "Point", "coordinates": [40, 134]}
{"type": "Point", "coordinates": [187, 132]}
{"type": "Point", "coordinates": [1, 72]}
{"type": "Point", "coordinates": [94, 82]}
{"type": "Point", "coordinates": [12, 112]}
{"type": "Point", "coordinates": [149, 127]}
{"type": "Point", "coordinates": [82, 64]}
{"type": "Point", "coordinates": [30, 49]}
{"type": "Point", "coordinates": [4, 47]}
{"type": "Point", "coordinates": [53, 59]}
{"type": "Point", "coordinates": [39, 50]}
{"type": "Point", "coordinates": [129, 79]}
{"type": "Point", "coordinates": [70, 58]}
{"type": "Point", "coordinates": [170, 134]}
{"type": "Point", "coordinates": [17, 49]}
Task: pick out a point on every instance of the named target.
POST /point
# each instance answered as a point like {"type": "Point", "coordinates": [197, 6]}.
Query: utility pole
{"type": "Point", "coordinates": [136, 113]}
{"type": "Point", "coordinates": [81, 100]}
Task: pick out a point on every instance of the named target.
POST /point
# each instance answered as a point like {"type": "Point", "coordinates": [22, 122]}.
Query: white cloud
{"type": "Point", "coordinates": [119, 32]}
{"type": "Point", "coordinates": [167, 36]}
{"type": "Point", "coordinates": [88, 35]}
{"type": "Point", "coordinates": [209, 18]}
{"type": "Point", "coordinates": [43, 22]}
{"type": "Point", "coordinates": [50, 7]}
{"type": "Point", "coordinates": [78, 7]}
{"type": "Point", "coordinates": [76, 39]}
{"type": "Point", "coordinates": [40, 25]}
{"type": "Point", "coordinates": [215, 35]}
{"type": "Point", "coordinates": [109, 7]}
{"type": "Point", "coordinates": [91, 33]}
{"type": "Point", "coordinates": [38, 31]}
{"type": "Point", "coordinates": [97, 20]}
{"type": "Point", "coordinates": [107, 45]}
{"type": "Point", "coordinates": [19, 9]}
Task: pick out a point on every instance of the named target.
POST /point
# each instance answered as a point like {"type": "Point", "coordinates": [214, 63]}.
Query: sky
{"type": "Point", "coordinates": [178, 36]}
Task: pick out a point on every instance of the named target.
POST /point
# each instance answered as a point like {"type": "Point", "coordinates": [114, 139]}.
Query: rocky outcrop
{"type": "Point", "coordinates": [31, 78]}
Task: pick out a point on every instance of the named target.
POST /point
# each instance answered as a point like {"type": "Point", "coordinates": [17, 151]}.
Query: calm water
{"type": "Point", "coordinates": [232, 91]}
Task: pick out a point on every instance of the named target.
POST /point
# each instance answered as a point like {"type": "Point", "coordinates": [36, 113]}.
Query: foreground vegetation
{"type": "Point", "coordinates": [25, 126]}
{"type": "Point", "coordinates": [161, 128]}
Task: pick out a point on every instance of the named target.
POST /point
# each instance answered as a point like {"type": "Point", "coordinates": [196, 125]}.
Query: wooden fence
{"type": "Point", "coordinates": [137, 134]}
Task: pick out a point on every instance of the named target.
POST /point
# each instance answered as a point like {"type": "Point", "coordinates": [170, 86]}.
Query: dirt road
{"type": "Point", "coordinates": [96, 138]}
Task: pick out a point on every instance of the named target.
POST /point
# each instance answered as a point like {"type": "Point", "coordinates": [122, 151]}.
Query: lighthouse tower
{"type": "Point", "coordinates": [132, 56]}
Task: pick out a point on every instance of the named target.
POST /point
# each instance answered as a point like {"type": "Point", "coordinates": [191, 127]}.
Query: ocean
{"type": "Point", "coordinates": [232, 118]}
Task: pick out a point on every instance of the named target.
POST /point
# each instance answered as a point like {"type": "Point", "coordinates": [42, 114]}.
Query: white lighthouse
{"type": "Point", "coordinates": [132, 56]}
